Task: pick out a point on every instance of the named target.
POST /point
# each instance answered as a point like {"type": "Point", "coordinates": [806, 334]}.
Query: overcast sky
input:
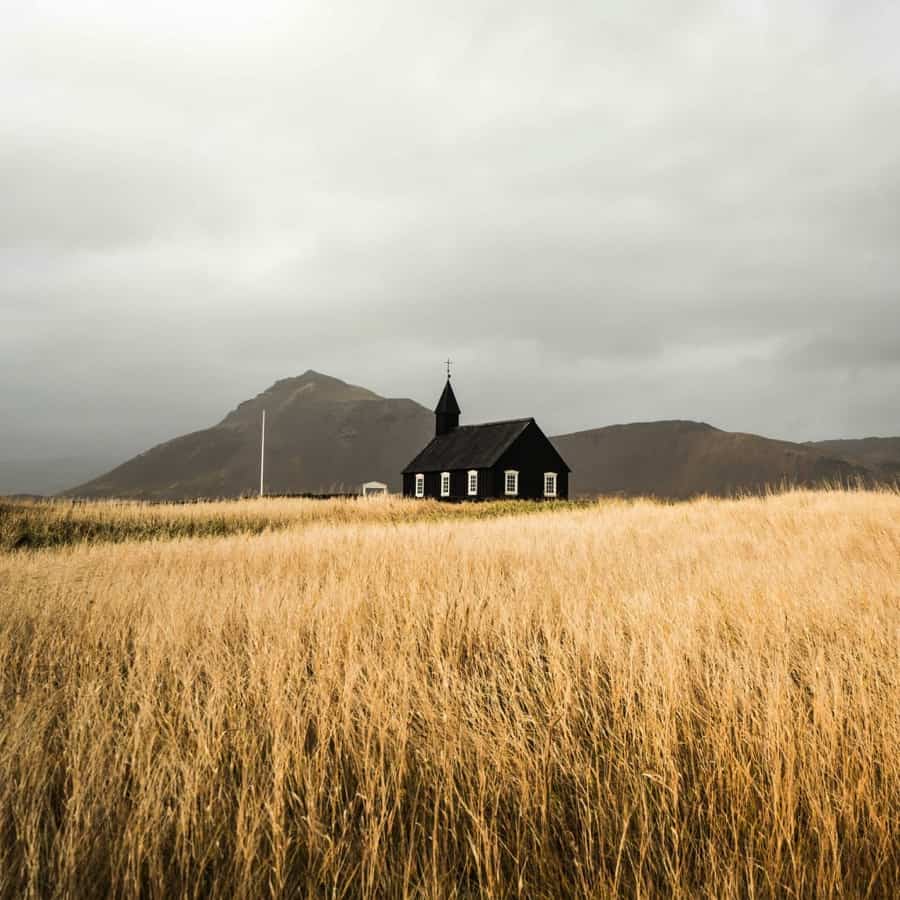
{"type": "Point", "coordinates": [603, 211]}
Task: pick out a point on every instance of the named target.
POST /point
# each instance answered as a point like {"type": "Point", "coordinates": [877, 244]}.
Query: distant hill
{"type": "Point", "coordinates": [882, 455]}
{"type": "Point", "coordinates": [322, 434]}
{"type": "Point", "coordinates": [682, 459]}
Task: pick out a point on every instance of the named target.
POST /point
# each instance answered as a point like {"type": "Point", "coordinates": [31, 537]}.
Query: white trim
{"type": "Point", "coordinates": [555, 477]}
{"type": "Point", "coordinates": [420, 485]}
{"type": "Point", "coordinates": [515, 488]}
{"type": "Point", "coordinates": [472, 476]}
{"type": "Point", "coordinates": [445, 484]}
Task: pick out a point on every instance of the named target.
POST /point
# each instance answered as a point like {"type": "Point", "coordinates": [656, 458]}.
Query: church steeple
{"type": "Point", "coordinates": [446, 413]}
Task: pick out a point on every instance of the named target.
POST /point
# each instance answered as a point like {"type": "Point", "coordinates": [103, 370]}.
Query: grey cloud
{"type": "Point", "coordinates": [861, 348]}
{"type": "Point", "coordinates": [604, 212]}
{"type": "Point", "coordinates": [67, 196]}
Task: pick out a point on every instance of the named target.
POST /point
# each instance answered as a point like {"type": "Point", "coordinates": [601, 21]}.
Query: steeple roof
{"type": "Point", "coordinates": [447, 405]}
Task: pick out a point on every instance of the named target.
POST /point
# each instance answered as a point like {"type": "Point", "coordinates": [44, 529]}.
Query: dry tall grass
{"type": "Point", "coordinates": [30, 524]}
{"type": "Point", "coordinates": [696, 700]}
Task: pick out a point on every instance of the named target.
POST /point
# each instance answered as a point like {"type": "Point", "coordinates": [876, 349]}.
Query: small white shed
{"type": "Point", "coordinates": [373, 489]}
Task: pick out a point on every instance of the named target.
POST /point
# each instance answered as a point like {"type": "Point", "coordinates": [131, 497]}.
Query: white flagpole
{"type": "Point", "coordinates": [262, 454]}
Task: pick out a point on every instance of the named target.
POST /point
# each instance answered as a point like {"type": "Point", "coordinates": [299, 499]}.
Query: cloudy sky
{"type": "Point", "coordinates": [603, 211]}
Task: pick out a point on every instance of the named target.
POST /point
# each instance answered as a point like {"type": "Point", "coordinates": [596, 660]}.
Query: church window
{"type": "Point", "coordinates": [549, 484]}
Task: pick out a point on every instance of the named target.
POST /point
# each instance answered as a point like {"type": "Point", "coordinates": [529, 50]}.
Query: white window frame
{"type": "Point", "coordinates": [515, 490]}
{"type": "Point", "coordinates": [420, 485]}
{"type": "Point", "coordinates": [555, 477]}
{"type": "Point", "coordinates": [445, 484]}
{"type": "Point", "coordinates": [470, 477]}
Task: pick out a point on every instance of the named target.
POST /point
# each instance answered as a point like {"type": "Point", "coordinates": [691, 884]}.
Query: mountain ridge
{"type": "Point", "coordinates": [881, 454]}
{"type": "Point", "coordinates": [322, 434]}
{"type": "Point", "coordinates": [678, 459]}
{"type": "Point", "coordinates": [325, 435]}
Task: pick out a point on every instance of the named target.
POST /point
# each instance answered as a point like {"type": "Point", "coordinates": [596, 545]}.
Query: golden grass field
{"type": "Point", "coordinates": [629, 698]}
{"type": "Point", "coordinates": [28, 524]}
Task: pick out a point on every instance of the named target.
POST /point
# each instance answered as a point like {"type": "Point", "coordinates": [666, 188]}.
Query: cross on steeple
{"type": "Point", "coordinates": [449, 361]}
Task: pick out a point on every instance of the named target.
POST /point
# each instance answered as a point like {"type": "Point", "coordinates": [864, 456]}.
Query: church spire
{"type": "Point", "coordinates": [446, 413]}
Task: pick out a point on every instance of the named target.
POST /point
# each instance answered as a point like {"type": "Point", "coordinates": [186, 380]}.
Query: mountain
{"type": "Point", "coordinates": [881, 455]}
{"type": "Point", "coordinates": [322, 435]}
{"type": "Point", "coordinates": [682, 459]}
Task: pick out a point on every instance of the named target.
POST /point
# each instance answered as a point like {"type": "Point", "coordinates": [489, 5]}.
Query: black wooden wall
{"type": "Point", "coordinates": [531, 454]}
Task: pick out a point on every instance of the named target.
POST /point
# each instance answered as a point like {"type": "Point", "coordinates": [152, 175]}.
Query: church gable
{"type": "Point", "coordinates": [533, 447]}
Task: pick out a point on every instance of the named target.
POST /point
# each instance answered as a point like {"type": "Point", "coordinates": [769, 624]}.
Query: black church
{"type": "Point", "coordinates": [497, 460]}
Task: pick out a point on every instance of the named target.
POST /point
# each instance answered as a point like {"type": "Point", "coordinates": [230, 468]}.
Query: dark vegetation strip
{"type": "Point", "coordinates": [30, 525]}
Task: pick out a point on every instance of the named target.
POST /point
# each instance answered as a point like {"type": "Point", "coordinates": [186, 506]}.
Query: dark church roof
{"type": "Point", "coordinates": [469, 446]}
{"type": "Point", "coordinates": [447, 404]}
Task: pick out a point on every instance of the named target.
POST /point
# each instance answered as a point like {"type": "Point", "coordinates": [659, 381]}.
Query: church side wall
{"type": "Point", "coordinates": [532, 455]}
{"type": "Point", "coordinates": [459, 485]}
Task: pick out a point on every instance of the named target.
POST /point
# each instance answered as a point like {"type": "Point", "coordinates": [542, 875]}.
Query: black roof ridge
{"type": "Point", "coordinates": [469, 446]}
{"type": "Point", "coordinates": [497, 422]}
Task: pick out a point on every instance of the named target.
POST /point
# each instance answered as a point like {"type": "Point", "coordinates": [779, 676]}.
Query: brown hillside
{"type": "Point", "coordinates": [322, 434]}
{"type": "Point", "coordinates": [326, 435]}
{"type": "Point", "coordinates": [683, 459]}
{"type": "Point", "coordinates": [882, 455]}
